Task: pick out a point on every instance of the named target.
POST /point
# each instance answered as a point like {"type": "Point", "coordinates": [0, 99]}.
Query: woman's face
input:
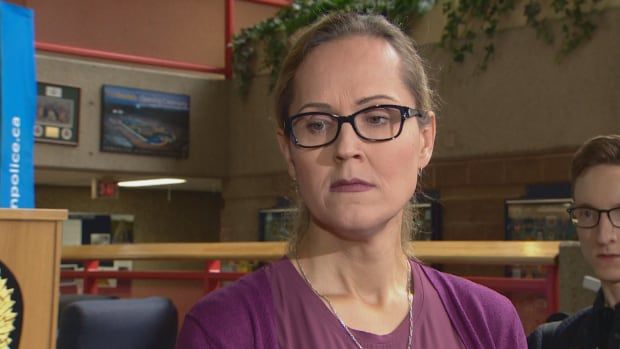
{"type": "Point", "coordinates": [354, 187]}
{"type": "Point", "coordinates": [599, 187]}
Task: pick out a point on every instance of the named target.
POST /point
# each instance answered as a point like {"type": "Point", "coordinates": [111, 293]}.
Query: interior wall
{"type": "Point", "coordinates": [526, 100]}
{"type": "Point", "coordinates": [428, 29]}
{"type": "Point", "coordinates": [169, 29]}
{"type": "Point", "coordinates": [472, 191]}
{"type": "Point", "coordinates": [255, 174]}
{"type": "Point", "coordinates": [244, 197]}
{"type": "Point", "coordinates": [187, 217]}
{"type": "Point", "coordinates": [208, 122]}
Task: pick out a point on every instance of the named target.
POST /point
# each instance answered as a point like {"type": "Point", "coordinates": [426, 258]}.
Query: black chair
{"type": "Point", "coordinates": [559, 316]}
{"type": "Point", "coordinates": [149, 323]}
{"type": "Point", "coordinates": [66, 299]}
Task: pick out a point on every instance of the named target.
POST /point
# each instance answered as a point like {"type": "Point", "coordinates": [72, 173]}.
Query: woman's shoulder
{"type": "Point", "coordinates": [469, 294]}
{"type": "Point", "coordinates": [222, 317]}
{"type": "Point", "coordinates": [485, 318]}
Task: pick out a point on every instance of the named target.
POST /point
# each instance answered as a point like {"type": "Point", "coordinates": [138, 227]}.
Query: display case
{"type": "Point", "coordinates": [275, 224]}
{"type": "Point", "coordinates": [537, 219]}
{"type": "Point", "coordinates": [428, 219]}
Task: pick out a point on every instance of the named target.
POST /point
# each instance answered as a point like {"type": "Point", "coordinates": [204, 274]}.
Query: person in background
{"type": "Point", "coordinates": [595, 177]}
{"type": "Point", "coordinates": [356, 127]}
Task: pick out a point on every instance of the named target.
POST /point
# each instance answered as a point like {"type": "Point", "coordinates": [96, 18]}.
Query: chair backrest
{"type": "Point", "coordinates": [120, 324]}
{"type": "Point", "coordinates": [66, 299]}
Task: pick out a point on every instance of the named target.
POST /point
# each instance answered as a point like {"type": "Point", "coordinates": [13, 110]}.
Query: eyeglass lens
{"type": "Point", "coordinates": [586, 217]}
{"type": "Point", "coordinates": [379, 123]}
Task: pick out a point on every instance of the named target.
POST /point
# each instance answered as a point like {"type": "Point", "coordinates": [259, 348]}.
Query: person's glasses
{"type": "Point", "coordinates": [378, 123]}
{"type": "Point", "coordinates": [588, 217]}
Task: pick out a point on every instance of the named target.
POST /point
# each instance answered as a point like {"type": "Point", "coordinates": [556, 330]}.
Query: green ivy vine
{"type": "Point", "coordinates": [466, 21]}
{"type": "Point", "coordinates": [270, 36]}
{"type": "Point", "coordinates": [469, 19]}
{"type": "Point", "coordinates": [577, 27]}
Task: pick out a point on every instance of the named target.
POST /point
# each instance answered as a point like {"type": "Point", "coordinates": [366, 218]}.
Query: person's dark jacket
{"type": "Point", "coordinates": [596, 327]}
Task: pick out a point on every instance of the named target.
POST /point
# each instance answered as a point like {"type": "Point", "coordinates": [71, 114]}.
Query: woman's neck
{"type": "Point", "coordinates": [611, 291]}
{"type": "Point", "coordinates": [370, 269]}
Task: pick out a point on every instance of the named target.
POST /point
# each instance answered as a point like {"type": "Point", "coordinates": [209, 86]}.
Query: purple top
{"type": "Point", "coordinates": [303, 320]}
{"type": "Point", "coordinates": [245, 315]}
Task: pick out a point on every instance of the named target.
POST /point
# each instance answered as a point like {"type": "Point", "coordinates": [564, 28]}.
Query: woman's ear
{"type": "Point", "coordinates": [285, 148]}
{"type": "Point", "coordinates": [427, 139]}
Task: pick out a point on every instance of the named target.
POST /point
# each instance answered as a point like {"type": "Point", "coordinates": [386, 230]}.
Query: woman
{"type": "Point", "coordinates": [355, 127]}
{"type": "Point", "coordinates": [595, 175]}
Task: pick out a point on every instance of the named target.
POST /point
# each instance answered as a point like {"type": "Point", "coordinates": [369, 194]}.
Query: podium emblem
{"type": "Point", "coordinates": [10, 309]}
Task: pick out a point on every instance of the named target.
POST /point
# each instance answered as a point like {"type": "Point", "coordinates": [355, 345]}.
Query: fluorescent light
{"type": "Point", "coordinates": [150, 182]}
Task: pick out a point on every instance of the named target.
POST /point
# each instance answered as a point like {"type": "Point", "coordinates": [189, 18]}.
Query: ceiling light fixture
{"type": "Point", "coordinates": [150, 182]}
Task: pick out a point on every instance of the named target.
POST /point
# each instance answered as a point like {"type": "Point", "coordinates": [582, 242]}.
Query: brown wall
{"type": "Point", "coordinates": [208, 121]}
{"type": "Point", "coordinates": [525, 100]}
{"type": "Point", "coordinates": [187, 217]}
{"type": "Point", "coordinates": [185, 30]}
{"type": "Point", "coordinates": [255, 173]}
{"type": "Point", "coordinates": [473, 191]}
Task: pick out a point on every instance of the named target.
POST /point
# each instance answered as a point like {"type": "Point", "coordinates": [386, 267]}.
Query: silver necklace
{"type": "Point", "coordinates": [346, 328]}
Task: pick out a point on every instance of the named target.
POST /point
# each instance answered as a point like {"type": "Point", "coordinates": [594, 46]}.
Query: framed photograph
{"type": "Point", "coordinates": [275, 224]}
{"type": "Point", "coordinates": [144, 122]}
{"type": "Point", "coordinates": [58, 109]}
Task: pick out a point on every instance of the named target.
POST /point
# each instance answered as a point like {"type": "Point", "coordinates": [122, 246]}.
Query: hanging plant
{"type": "Point", "coordinates": [271, 35]}
{"type": "Point", "coordinates": [469, 19]}
{"type": "Point", "coordinates": [472, 17]}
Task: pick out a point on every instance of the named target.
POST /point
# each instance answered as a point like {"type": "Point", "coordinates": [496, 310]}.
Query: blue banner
{"type": "Point", "coordinates": [18, 104]}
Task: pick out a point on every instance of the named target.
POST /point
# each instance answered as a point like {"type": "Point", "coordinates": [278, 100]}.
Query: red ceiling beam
{"type": "Point", "coordinates": [158, 62]}
{"type": "Point", "coordinates": [279, 3]}
{"type": "Point", "coordinates": [121, 57]}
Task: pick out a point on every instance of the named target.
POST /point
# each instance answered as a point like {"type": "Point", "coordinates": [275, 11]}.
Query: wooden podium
{"type": "Point", "coordinates": [30, 247]}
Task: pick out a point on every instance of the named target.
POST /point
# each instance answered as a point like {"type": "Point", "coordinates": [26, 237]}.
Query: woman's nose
{"type": "Point", "coordinates": [347, 144]}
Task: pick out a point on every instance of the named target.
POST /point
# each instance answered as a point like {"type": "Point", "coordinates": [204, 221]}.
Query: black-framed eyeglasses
{"type": "Point", "coordinates": [588, 217]}
{"type": "Point", "coordinates": [378, 123]}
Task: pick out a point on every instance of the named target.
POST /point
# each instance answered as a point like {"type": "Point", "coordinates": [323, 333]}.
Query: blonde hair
{"type": "Point", "coordinates": [338, 26]}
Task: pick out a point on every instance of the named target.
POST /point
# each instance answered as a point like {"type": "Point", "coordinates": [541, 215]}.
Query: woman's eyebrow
{"type": "Point", "coordinates": [366, 100]}
{"type": "Point", "coordinates": [325, 106]}
{"type": "Point", "coordinates": [317, 105]}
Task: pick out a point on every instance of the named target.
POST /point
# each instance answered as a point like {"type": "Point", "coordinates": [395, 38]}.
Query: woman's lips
{"type": "Point", "coordinates": [350, 186]}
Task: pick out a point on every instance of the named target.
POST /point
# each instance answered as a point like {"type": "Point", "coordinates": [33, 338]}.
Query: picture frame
{"type": "Point", "coordinates": [58, 114]}
{"type": "Point", "coordinates": [539, 220]}
{"type": "Point", "coordinates": [276, 224]}
{"type": "Point", "coordinates": [144, 122]}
